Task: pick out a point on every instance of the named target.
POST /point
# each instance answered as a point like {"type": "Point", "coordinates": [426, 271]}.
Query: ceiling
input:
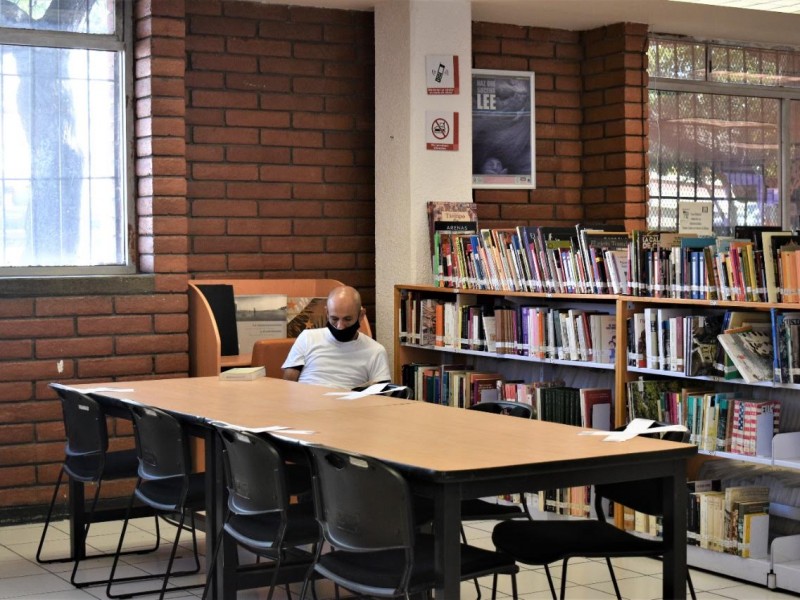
{"type": "Point", "coordinates": [681, 17]}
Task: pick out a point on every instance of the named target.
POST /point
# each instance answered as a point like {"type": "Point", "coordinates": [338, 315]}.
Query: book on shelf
{"type": "Point", "coordinates": [753, 425]}
{"type": "Point", "coordinates": [702, 344]}
{"type": "Point", "coordinates": [444, 220]}
{"type": "Point", "coordinates": [595, 405]}
{"type": "Point", "coordinates": [770, 244]}
{"type": "Point", "coordinates": [243, 373]}
{"type": "Point", "coordinates": [750, 349]}
{"type": "Point", "coordinates": [650, 398]}
{"type": "Point", "coordinates": [741, 500]}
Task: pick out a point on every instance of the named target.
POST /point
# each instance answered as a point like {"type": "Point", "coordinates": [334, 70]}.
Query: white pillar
{"type": "Point", "coordinates": [407, 175]}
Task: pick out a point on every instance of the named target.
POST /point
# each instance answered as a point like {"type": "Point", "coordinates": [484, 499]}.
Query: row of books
{"type": "Point", "coordinates": [734, 521]}
{"type": "Point", "coordinates": [533, 259]}
{"type": "Point", "coordinates": [748, 345]}
{"type": "Point", "coordinates": [717, 421]}
{"type": "Point", "coordinates": [759, 264]}
{"type": "Point", "coordinates": [537, 331]}
{"type": "Point", "coordinates": [756, 264]}
{"type": "Point", "coordinates": [462, 386]}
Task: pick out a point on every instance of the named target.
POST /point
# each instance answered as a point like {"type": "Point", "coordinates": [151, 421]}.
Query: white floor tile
{"type": "Point", "coordinates": [587, 579]}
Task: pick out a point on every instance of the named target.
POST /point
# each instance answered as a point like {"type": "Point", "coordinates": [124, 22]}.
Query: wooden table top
{"type": "Point", "coordinates": [425, 436]}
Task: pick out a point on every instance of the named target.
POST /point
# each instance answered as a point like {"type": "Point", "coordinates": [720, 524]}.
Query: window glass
{"type": "Point", "coordinates": [714, 142]}
{"type": "Point", "coordinates": [63, 192]}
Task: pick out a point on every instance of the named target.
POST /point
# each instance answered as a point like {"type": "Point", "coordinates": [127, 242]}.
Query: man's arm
{"type": "Point", "coordinates": [292, 373]}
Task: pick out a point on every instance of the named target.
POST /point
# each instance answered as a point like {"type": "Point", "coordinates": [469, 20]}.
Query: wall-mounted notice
{"type": "Point", "coordinates": [695, 217]}
{"type": "Point", "coordinates": [441, 130]}
{"type": "Point", "coordinates": [441, 74]}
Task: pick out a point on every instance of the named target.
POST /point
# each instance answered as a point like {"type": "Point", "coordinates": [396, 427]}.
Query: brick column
{"type": "Point", "coordinates": [159, 68]}
{"type": "Point", "coordinates": [614, 131]}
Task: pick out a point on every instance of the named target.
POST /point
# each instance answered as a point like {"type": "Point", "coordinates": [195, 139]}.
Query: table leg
{"type": "Point", "coordinates": [224, 584]}
{"type": "Point", "coordinates": [674, 582]}
{"type": "Point", "coordinates": [446, 527]}
{"type": "Point", "coordinates": [77, 519]}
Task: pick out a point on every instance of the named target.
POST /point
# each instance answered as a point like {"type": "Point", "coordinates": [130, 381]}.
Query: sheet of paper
{"type": "Point", "coordinates": [634, 428]}
{"type": "Point", "coordinates": [375, 388]}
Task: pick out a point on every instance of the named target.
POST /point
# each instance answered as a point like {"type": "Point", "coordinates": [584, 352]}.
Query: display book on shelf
{"type": "Point", "coordinates": [702, 371]}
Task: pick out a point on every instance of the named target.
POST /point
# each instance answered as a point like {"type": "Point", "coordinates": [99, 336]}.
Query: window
{"type": "Point", "coordinates": [724, 122]}
{"type": "Point", "coordinates": [64, 176]}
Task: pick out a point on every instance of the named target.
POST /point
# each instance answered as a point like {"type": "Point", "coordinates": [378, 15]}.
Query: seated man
{"type": "Point", "coordinates": [337, 355]}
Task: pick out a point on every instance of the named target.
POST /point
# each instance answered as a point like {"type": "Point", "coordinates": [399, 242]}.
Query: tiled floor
{"type": "Point", "coordinates": [22, 577]}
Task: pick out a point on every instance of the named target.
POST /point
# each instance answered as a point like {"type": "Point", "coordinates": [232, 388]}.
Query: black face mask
{"type": "Point", "coordinates": [347, 334]}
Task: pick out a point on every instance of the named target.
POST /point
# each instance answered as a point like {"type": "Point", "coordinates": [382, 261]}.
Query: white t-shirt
{"type": "Point", "coordinates": [325, 361]}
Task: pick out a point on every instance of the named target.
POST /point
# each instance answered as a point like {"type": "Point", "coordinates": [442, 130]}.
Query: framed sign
{"type": "Point", "coordinates": [503, 127]}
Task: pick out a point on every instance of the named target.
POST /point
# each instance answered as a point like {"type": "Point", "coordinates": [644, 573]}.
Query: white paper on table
{"type": "Point", "coordinates": [634, 428]}
{"type": "Point", "coordinates": [265, 429]}
{"type": "Point", "coordinates": [375, 388]}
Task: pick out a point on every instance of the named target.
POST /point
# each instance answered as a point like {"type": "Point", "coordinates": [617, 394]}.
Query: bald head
{"type": "Point", "coordinates": [344, 307]}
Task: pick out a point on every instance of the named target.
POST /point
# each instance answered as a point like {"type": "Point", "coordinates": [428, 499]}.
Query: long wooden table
{"type": "Point", "coordinates": [446, 454]}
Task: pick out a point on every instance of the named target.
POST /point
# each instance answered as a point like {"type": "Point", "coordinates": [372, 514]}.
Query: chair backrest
{"type": "Point", "coordinates": [254, 473]}
{"type": "Point", "coordinates": [86, 432]}
{"type": "Point", "coordinates": [645, 496]}
{"type": "Point", "coordinates": [161, 444]}
{"type": "Point", "coordinates": [362, 504]}
{"type": "Point", "coordinates": [503, 407]}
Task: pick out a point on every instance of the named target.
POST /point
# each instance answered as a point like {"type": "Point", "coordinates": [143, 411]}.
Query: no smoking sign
{"type": "Point", "coordinates": [441, 131]}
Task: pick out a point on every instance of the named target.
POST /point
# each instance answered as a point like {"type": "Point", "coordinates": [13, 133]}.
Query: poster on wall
{"type": "Point", "coordinates": [503, 128]}
{"type": "Point", "coordinates": [441, 130]}
{"type": "Point", "coordinates": [441, 74]}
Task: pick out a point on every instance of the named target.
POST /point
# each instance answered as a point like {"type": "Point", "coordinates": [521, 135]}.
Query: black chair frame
{"type": "Point", "coordinates": [544, 542]}
{"type": "Point", "coordinates": [165, 484]}
{"type": "Point", "coordinates": [259, 515]}
{"type": "Point", "coordinates": [87, 460]}
{"type": "Point", "coordinates": [365, 511]}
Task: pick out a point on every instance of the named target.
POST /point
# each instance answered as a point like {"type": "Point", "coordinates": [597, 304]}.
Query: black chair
{"type": "Point", "coordinates": [478, 509]}
{"type": "Point", "coordinates": [259, 515]}
{"type": "Point", "coordinates": [166, 484]}
{"type": "Point", "coordinates": [366, 513]}
{"type": "Point", "coordinates": [544, 542]}
{"type": "Point", "coordinates": [88, 460]}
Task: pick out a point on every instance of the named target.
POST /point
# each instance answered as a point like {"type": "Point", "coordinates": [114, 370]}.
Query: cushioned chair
{"type": "Point", "coordinates": [366, 513]}
{"type": "Point", "coordinates": [88, 460]}
{"type": "Point", "coordinates": [544, 542]}
{"type": "Point", "coordinates": [166, 484]}
{"type": "Point", "coordinates": [259, 515]}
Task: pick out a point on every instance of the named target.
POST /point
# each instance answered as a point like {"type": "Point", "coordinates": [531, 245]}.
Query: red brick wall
{"type": "Point", "coordinates": [591, 123]}
{"type": "Point", "coordinates": [280, 142]}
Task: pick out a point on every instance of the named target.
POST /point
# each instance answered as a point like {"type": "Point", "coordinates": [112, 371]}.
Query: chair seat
{"type": "Point", "coordinates": [374, 569]}
{"type": "Point", "coordinates": [258, 532]}
{"type": "Point", "coordinates": [164, 494]}
{"type": "Point", "coordinates": [476, 509]}
{"type": "Point", "coordinates": [118, 464]}
{"type": "Point", "coordinates": [543, 542]}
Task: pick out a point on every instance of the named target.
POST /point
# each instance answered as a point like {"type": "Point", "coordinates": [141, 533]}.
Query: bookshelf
{"type": "Point", "coordinates": [781, 569]}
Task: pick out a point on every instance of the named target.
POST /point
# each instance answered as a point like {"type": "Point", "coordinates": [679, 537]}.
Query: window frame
{"type": "Point", "coordinates": [120, 42]}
